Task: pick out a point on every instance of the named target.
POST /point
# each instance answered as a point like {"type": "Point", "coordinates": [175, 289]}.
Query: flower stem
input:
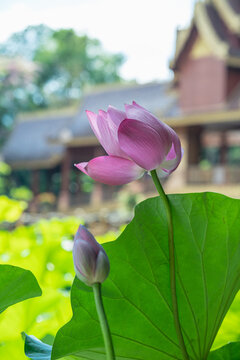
{"type": "Point", "coordinates": [103, 321]}
{"type": "Point", "coordinates": [171, 263]}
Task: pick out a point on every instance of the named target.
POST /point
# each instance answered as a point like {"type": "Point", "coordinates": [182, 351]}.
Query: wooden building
{"type": "Point", "coordinates": [202, 103]}
{"type": "Point", "coordinates": [206, 70]}
{"type": "Point", "coordinates": [50, 144]}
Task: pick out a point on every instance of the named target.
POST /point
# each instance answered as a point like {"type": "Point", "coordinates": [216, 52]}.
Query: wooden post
{"type": "Point", "coordinates": [97, 192]}
{"type": "Point", "coordinates": [223, 148]}
{"type": "Point", "coordinates": [35, 189]}
{"type": "Point", "coordinates": [64, 201]}
{"type": "Point", "coordinates": [219, 175]}
{"type": "Point", "coordinates": [194, 145]}
{"type": "Point", "coordinates": [178, 178]}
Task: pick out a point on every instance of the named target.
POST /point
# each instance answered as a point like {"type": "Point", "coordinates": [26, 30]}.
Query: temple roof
{"type": "Point", "coordinates": [156, 97]}
{"type": "Point", "coordinates": [28, 146]}
{"type": "Point", "coordinates": [218, 24]}
{"type": "Point", "coordinates": [229, 10]}
{"type": "Point", "coordinates": [39, 142]}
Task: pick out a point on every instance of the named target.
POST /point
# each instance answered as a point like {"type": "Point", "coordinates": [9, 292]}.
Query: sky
{"type": "Point", "coordinates": [143, 30]}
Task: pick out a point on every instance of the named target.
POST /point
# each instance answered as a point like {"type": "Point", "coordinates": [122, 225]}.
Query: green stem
{"type": "Point", "coordinates": [103, 321]}
{"type": "Point", "coordinates": [171, 263]}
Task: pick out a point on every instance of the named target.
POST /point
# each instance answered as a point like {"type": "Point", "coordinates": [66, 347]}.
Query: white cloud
{"type": "Point", "coordinates": [143, 30]}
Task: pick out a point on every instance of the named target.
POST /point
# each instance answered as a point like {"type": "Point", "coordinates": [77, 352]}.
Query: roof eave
{"type": "Point", "coordinates": [205, 118]}
{"type": "Point", "coordinates": [233, 61]}
{"type": "Point", "coordinates": [79, 141]}
{"type": "Point", "coordinates": [36, 164]}
{"type": "Point", "coordinates": [174, 62]}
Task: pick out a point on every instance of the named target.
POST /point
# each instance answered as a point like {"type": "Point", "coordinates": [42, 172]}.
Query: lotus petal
{"type": "Point", "coordinates": [111, 170]}
{"type": "Point", "coordinates": [106, 132]}
{"type": "Point", "coordinates": [143, 144]}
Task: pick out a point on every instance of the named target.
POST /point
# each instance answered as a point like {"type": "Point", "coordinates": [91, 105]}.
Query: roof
{"type": "Point", "coordinates": [28, 145]}
{"type": "Point", "coordinates": [225, 117]}
{"type": "Point", "coordinates": [156, 97]}
{"type": "Point", "coordinates": [218, 23]}
{"type": "Point", "coordinates": [39, 142]}
{"type": "Point", "coordinates": [230, 12]}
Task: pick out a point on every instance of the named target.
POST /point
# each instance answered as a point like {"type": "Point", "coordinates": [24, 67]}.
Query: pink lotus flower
{"type": "Point", "coordinates": [135, 141]}
{"type": "Point", "coordinates": [90, 260]}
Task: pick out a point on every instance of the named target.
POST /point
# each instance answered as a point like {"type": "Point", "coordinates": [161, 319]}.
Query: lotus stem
{"type": "Point", "coordinates": [171, 263]}
{"type": "Point", "coordinates": [103, 321]}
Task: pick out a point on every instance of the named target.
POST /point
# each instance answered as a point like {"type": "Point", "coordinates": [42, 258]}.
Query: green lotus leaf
{"type": "Point", "coordinates": [137, 293]}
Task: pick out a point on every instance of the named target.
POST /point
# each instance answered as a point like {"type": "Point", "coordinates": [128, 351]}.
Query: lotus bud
{"type": "Point", "coordinates": [90, 260]}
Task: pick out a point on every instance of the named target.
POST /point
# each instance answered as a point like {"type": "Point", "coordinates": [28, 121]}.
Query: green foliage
{"type": "Point", "coordinates": [11, 210]}
{"type": "Point", "coordinates": [229, 330]}
{"type": "Point", "coordinates": [37, 350]}
{"type": "Point", "coordinates": [4, 169]}
{"type": "Point", "coordinates": [87, 183]}
{"type": "Point", "coordinates": [40, 67]}
{"type": "Point", "coordinates": [21, 193]}
{"type": "Point", "coordinates": [137, 294]}
{"type": "Point", "coordinates": [25, 43]}
{"type": "Point", "coordinates": [16, 285]}
{"type": "Point", "coordinates": [16, 91]}
{"type": "Point", "coordinates": [228, 352]}
{"type": "Point", "coordinates": [70, 61]}
{"type": "Point", "coordinates": [19, 74]}
{"type": "Point", "coordinates": [45, 249]}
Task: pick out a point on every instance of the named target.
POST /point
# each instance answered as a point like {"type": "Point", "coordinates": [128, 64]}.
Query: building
{"type": "Point", "coordinates": [49, 144]}
{"type": "Point", "coordinates": [202, 104]}
{"type": "Point", "coordinates": [206, 68]}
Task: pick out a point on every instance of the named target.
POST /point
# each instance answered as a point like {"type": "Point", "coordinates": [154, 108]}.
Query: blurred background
{"type": "Point", "coordinates": [58, 59]}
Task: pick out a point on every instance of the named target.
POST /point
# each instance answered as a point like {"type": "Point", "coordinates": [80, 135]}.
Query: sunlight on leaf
{"type": "Point", "coordinates": [45, 249]}
{"type": "Point", "coordinates": [11, 210]}
{"type": "Point", "coordinates": [228, 352]}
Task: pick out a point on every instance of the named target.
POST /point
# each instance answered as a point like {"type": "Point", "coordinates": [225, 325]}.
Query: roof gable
{"type": "Point", "coordinates": [213, 28]}
{"type": "Point", "coordinates": [230, 13]}
{"type": "Point", "coordinates": [41, 142]}
{"type": "Point", "coordinates": [200, 49]}
{"type": "Point", "coordinates": [28, 145]}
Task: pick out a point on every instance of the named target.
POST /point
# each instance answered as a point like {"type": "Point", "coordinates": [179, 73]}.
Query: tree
{"type": "Point", "coordinates": [68, 62]}
{"type": "Point", "coordinates": [40, 67]}
{"type": "Point", "coordinates": [25, 43]}
{"type": "Point", "coordinates": [16, 90]}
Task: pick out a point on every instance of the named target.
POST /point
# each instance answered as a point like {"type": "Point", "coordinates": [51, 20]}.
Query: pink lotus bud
{"type": "Point", "coordinates": [90, 260]}
{"type": "Point", "coordinates": [135, 141]}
